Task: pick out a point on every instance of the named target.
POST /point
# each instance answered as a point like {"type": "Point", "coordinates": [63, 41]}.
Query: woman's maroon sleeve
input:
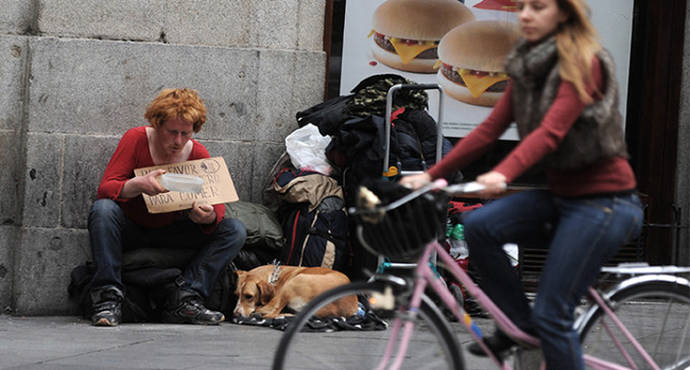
{"type": "Point", "coordinates": [479, 140]}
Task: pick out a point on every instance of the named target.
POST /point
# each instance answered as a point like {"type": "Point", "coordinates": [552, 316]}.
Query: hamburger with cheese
{"type": "Point", "coordinates": [471, 58]}
{"type": "Point", "coordinates": [406, 33]}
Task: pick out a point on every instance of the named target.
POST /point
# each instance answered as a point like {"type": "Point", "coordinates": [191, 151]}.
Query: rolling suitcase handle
{"type": "Point", "coordinates": [389, 108]}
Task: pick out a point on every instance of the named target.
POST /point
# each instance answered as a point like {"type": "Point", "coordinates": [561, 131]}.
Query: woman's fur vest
{"type": "Point", "coordinates": [597, 133]}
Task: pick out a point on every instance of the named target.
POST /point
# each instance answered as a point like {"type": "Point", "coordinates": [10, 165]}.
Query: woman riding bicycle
{"type": "Point", "coordinates": [564, 98]}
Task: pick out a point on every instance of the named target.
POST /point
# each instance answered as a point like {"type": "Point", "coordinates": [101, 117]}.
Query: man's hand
{"type": "Point", "coordinates": [495, 183]}
{"type": "Point", "coordinates": [147, 184]}
{"type": "Point", "coordinates": [415, 181]}
{"type": "Point", "coordinates": [203, 214]}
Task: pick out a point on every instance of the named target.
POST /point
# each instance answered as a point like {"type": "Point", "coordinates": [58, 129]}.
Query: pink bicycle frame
{"type": "Point", "coordinates": [425, 275]}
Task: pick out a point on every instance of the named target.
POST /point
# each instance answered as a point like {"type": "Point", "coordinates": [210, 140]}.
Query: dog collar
{"type": "Point", "coordinates": [275, 274]}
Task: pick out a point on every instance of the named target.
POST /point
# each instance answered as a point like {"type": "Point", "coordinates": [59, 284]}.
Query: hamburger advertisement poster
{"type": "Point", "coordinates": [459, 45]}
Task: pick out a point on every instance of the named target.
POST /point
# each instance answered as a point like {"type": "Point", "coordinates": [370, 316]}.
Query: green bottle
{"type": "Point", "coordinates": [458, 245]}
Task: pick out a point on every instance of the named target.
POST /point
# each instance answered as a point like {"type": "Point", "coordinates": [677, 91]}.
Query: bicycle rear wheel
{"type": "Point", "coordinates": [433, 346]}
{"type": "Point", "coordinates": [657, 313]}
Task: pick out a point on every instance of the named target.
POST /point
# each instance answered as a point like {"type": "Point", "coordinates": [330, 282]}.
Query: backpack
{"type": "Point", "coordinates": [315, 225]}
{"type": "Point", "coordinates": [327, 116]}
{"type": "Point", "coordinates": [317, 238]}
{"type": "Point", "coordinates": [143, 287]}
{"type": "Point", "coordinates": [263, 229]}
{"type": "Point", "coordinates": [222, 297]}
{"type": "Point", "coordinates": [265, 238]}
{"type": "Point", "coordinates": [137, 305]}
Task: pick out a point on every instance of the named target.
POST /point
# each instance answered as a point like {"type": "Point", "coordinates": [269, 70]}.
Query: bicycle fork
{"type": "Point", "coordinates": [406, 316]}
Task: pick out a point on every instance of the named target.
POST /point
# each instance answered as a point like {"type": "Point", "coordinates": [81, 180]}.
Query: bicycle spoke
{"type": "Point", "coordinates": [682, 340]}
{"type": "Point", "coordinates": [658, 317]}
{"type": "Point", "coordinates": [430, 346]}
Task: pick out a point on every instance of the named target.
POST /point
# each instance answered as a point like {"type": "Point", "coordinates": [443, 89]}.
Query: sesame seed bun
{"type": "Point", "coordinates": [479, 45]}
{"type": "Point", "coordinates": [420, 19]}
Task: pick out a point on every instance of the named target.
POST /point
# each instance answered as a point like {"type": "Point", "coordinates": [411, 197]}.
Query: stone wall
{"type": "Point", "coordinates": [75, 74]}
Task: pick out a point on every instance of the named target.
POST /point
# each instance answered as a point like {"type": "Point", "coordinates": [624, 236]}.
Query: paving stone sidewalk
{"type": "Point", "coordinates": [69, 342]}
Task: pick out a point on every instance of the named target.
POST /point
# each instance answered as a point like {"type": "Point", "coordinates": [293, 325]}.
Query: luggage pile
{"type": "Point", "coordinates": [354, 124]}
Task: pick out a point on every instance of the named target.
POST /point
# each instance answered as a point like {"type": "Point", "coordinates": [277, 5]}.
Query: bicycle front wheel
{"type": "Point", "coordinates": [657, 314]}
{"type": "Point", "coordinates": [433, 346]}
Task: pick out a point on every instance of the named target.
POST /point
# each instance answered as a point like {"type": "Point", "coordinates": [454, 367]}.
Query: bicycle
{"type": "Point", "coordinates": [426, 340]}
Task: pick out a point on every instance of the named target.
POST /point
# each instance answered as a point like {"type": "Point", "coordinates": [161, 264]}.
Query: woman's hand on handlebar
{"type": "Point", "coordinates": [494, 181]}
{"type": "Point", "coordinates": [415, 181]}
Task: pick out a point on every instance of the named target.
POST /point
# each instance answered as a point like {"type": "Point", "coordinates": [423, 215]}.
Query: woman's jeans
{"type": "Point", "coordinates": [581, 234]}
{"type": "Point", "coordinates": [111, 233]}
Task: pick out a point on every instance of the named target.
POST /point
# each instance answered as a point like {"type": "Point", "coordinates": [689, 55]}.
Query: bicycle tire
{"type": "Point", "coordinates": [656, 312]}
{"type": "Point", "coordinates": [363, 349]}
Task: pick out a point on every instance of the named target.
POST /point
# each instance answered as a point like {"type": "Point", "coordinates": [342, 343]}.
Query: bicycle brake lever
{"type": "Point", "coordinates": [465, 188]}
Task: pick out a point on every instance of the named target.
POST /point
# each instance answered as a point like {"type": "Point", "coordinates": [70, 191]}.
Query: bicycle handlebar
{"type": "Point", "coordinates": [472, 187]}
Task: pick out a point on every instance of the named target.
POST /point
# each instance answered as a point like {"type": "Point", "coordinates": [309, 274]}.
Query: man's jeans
{"type": "Point", "coordinates": [581, 234]}
{"type": "Point", "coordinates": [111, 233]}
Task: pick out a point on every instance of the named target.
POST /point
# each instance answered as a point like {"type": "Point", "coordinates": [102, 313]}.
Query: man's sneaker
{"type": "Point", "coordinates": [191, 311]}
{"type": "Point", "coordinates": [108, 310]}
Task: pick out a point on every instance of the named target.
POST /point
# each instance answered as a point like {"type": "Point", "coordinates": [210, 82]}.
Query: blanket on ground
{"type": "Point", "coordinates": [362, 321]}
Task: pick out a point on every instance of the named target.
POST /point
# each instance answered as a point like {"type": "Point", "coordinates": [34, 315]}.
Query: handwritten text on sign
{"type": "Point", "coordinates": [218, 186]}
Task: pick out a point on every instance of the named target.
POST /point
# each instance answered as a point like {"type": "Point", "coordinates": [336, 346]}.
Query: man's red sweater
{"type": "Point", "coordinates": [133, 152]}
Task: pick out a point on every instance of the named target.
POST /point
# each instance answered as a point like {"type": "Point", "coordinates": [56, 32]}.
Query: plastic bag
{"type": "Point", "coordinates": [307, 149]}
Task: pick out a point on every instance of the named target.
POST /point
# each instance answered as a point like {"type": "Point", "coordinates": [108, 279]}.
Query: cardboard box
{"type": "Point", "coordinates": [218, 186]}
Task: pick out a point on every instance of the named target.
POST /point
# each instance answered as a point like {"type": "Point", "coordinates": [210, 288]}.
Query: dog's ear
{"type": "Point", "coordinates": [266, 291]}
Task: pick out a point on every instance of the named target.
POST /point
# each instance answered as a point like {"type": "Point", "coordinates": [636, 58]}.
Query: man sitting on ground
{"type": "Point", "coordinates": [119, 220]}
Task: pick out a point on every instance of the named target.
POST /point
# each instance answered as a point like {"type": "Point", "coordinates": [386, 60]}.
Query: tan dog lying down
{"type": "Point", "coordinates": [268, 289]}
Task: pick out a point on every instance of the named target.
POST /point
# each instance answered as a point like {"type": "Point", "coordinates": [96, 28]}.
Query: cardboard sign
{"type": "Point", "coordinates": [218, 186]}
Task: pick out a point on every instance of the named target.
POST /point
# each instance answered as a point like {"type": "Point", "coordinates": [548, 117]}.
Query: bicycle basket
{"type": "Point", "coordinates": [399, 229]}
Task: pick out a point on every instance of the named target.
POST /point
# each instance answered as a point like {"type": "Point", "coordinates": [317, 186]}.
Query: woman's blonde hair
{"type": "Point", "coordinates": [578, 42]}
{"type": "Point", "coordinates": [177, 103]}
